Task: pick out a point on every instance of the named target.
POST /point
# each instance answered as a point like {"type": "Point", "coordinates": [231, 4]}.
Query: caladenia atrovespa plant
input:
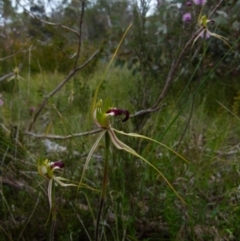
{"type": "Point", "coordinates": [47, 169]}
{"type": "Point", "coordinates": [102, 113]}
{"type": "Point", "coordinates": [205, 33]}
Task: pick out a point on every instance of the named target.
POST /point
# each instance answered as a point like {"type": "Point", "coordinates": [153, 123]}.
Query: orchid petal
{"type": "Point", "coordinates": [220, 37]}
{"type": "Point", "coordinates": [150, 139]}
{"type": "Point", "coordinates": [200, 33]}
{"type": "Point", "coordinates": [10, 78]}
{"type": "Point", "coordinates": [90, 155]}
{"type": "Point", "coordinates": [50, 192]}
{"type": "Point", "coordinates": [122, 146]}
{"type": "Point", "coordinates": [60, 179]}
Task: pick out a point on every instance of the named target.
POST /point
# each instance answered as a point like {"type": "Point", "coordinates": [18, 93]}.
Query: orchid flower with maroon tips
{"type": "Point", "coordinates": [205, 32]}
{"type": "Point", "coordinates": [47, 169]}
{"type": "Point", "coordinates": [101, 116]}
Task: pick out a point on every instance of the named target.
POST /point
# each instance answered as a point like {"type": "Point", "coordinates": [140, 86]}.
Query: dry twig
{"type": "Point", "coordinates": [58, 137]}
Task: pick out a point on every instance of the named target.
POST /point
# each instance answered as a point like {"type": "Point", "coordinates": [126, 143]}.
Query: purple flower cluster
{"type": "Point", "coordinates": [186, 17]}
{"type": "Point", "coordinates": [196, 2]}
{"type": "Point", "coordinates": [199, 2]}
{"type": "Point", "coordinates": [205, 35]}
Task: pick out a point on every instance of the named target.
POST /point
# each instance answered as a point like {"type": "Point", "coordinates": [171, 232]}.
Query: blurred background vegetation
{"type": "Point", "coordinates": [199, 120]}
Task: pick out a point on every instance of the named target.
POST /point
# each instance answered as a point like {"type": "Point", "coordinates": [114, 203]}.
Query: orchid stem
{"type": "Point", "coordinates": [54, 214]}
{"type": "Point", "coordinates": [104, 183]}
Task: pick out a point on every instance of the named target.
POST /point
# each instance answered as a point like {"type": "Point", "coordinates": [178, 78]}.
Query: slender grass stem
{"type": "Point", "coordinates": [202, 63]}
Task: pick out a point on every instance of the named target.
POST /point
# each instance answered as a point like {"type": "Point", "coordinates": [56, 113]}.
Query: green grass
{"type": "Point", "coordinates": [139, 205]}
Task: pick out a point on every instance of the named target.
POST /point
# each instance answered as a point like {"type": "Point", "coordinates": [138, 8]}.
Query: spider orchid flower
{"type": "Point", "coordinates": [101, 116]}
{"type": "Point", "coordinates": [206, 33]}
{"type": "Point", "coordinates": [47, 169]}
{"type": "Point", "coordinates": [16, 75]}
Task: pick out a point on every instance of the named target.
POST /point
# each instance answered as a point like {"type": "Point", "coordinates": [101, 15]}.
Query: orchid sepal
{"type": "Point", "coordinates": [99, 114]}
{"type": "Point", "coordinates": [150, 139]}
{"type": "Point", "coordinates": [90, 155]}
{"type": "Point", "coordinates": [122, 146]}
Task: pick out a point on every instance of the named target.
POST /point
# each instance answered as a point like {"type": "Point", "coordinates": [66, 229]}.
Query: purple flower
{"type": "Point", "coordinates": [116, 112]}
{"type": "Point", "coordinates": [205, 34]}
{"type": "Point", "coordinates": [188, 3]}
{"type": "Point", "coordinates": [1, 102]}
{"type": "Point", "coordinates": [187, 17]}
{"type": "Point", "coordinates": [199, 2]}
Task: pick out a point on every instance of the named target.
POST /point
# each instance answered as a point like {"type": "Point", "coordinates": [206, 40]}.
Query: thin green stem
{"type": "Point", "coordinates": [54, 213]}
{"type": "Point", "coordinates": [104, 183]}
